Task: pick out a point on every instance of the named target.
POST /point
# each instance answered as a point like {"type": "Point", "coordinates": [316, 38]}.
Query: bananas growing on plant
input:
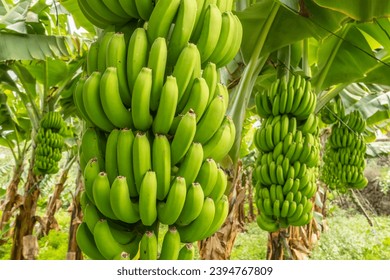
{"type": "Point", "coordinates": [157, 127]}
{"type": "Point", "coordinates": [288, 160]}
{"type": "Point", "coordinates": [49, 143]}
{"type": "Point", "coordinates": [344, 158]}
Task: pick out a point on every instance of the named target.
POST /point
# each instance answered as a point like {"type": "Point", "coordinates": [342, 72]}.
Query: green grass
{"type": "Point", "coordinates": [349, 237]}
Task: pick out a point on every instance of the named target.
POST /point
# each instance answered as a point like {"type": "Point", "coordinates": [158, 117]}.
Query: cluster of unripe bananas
{"type": "Point", "coordinates": [49, 143]}
{"type": "Point", "coordinates": [157, 127]}
{"type": "Point", "coordinates": [289, 149]}
{"type": "Point", "coordinates": [344, 158]}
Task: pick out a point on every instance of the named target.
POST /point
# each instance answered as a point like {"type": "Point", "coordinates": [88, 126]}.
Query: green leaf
{"type": "Point", "coordinates": [15, 19]}
{"type": "Point", "coordinates": [58, 71]}
{"type": "Point", "coordinates": [360, 10]}
{"type": "Point", "coordinates": [80, 20]}
{"type": "Point", "coordinates": [377, 149]}
{"type": "Point", "coordinates": [289, 25]}
{"type": "Point", "coordinates": [35, 47]}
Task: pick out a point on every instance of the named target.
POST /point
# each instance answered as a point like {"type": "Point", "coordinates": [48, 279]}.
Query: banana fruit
{"type": "Point", "coordinates": [156, 127]}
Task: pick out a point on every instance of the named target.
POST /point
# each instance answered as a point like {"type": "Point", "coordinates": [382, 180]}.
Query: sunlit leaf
{"type": "Point", "coordinates": [360, 10]}
{"type": "Point", "coordinates": [30, 47]}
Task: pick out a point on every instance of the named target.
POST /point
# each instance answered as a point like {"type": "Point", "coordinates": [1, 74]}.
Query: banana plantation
{"type": "Point", "coordinates": [109, 152]}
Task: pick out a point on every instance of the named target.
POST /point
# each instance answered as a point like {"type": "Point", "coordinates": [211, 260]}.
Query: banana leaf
{"type": "Point", "coordinates": [360, 10]}
{"type": "Point", "coordinates": [35, 47]}
{"type": "Point", "coordinates": [80, 20]}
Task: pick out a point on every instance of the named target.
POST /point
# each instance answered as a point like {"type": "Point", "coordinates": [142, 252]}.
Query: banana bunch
{"type": "Point", "coordinates": [289, 151]}
{"type": "Point", "coordinates": [4, 113]}
{"type": "Point", "coordinates": [345, 150]}
{"type": "Point", "coordinates": [157, 127]}
{"type": "Point", "coordinates": [49, 143]}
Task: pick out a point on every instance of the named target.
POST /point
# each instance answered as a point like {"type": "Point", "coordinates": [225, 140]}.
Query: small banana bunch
{"type": "Point", "coordinates": [289, 151]}
{"type": "Point", "coordinates": [4, 113]}
{"type": "Point", "coordinates": [345, 149]}
{"type": "Point", "coordinates": [49, 143]}
{"type": "Point", "coordinates": [157, 127]}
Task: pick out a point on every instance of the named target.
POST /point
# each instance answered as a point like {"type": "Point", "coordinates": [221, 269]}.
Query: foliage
{"type": "Point", "coordinates": [350, 238]}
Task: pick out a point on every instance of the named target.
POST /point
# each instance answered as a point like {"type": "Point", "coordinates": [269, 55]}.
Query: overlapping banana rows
{"type": "Point", "coordinates": [49, 142]}
{"type": "Point", "coordinates": [288, 159]}
{"type": "Point", "coordinates": [157, 132]}
{"type": "Point", "coordinates": [210, 24]}
{"type": "Point", "coordinates": [344, 159]}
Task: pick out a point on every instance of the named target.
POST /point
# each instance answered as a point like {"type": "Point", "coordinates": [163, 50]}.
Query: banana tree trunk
{"type": "Point", "coordinates": [12, 197]}
{"type": "Point", "coordinates": [49, 221]}
{"type": "Point", "coordinates": [25, 219]}
{"type": "Point", "coordinates": [219, 246]}
{"type": "Point", "coordinates": [74, 252]}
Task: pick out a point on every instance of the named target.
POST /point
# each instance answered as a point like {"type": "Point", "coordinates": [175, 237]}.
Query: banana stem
{"type": "Point", "coordinates": [284, 58]}
{"type": "Point", "coordinates": [326, 97]}
{"type": "Point", "coordinates": [305, 58]}
{"type": "Point", "coordinates": [241, 96]}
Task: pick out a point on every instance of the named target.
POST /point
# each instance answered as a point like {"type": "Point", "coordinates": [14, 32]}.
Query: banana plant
{"type": "Point", "coordinates": [43, 62]}
{"type": "Point", "coordinates": [332, 44]}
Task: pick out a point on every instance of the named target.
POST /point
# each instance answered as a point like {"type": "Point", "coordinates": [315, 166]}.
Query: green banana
{"type": "Point", "coordinates": [92, 17]}
{"type": "Point", "coordinates": [211, 76]}
{"type": "Point", "coordinates": [184, 68]}
{"type": "Point", "coordinates": [79, 102]}
{"type": "Point", "coordinates": [93, 145]}
{"type": "Point", "coordinates": [226, 38]}
{"type": "Point", "coordinates": [198, 99]}
{"type": "Point", "coordinates": [111, 162]}
{"type": "Point", "coordinates": [208, 176]}
{"type": "Point", "coordinates": [137, 55]}
{"type": "Point", "coordinates": [183, 137]}
{"type": "Point", "coordinates": [91, 170]}
{"type": "Point", "coordinates": [235, 47]}
{"type": "Point", "coordinates": [157, 62]}
{"type": "Point", "coordinates": [130, 8]}
{"type": "Point", "coordinates": [171, 245]}
{"type": "Point", "coordinates": [116, 57]}
{"type": "Point", "coordinates": [211, 120]}
{"type": "Point", "coordinates": [147, 198]}
{"type": "Point", "coordinates": [104, 40]}
{"type": "Point", "coordinates": [92, 58]}
{"type": "Point", "coordinates": [85, 241]}
{"type": "Point", "coordinates": [210, 33]}
{"type": "Point", "coordinates": [140, 101]}
{"type": "Point", "coordinates": [162, 18]}
{"type": "Point", "coordinates": [124, 157]}
{"type": "Point", "coordinates": [167, 107]}
{"type": "Point", "coordinates": [101, 195]}
{"type": "Point", "coordinates": [187, 252]}
{"type": "Point", "coordinates": [91, 216]}
{"type": "Point", "coordinates": [267, 223]}
{"type": "Point", "coordinates": [192, 206]}
{"type": "Point", "coordinates": [144, 8]}
{"type": "Point", "coordinates": [115, 8]}
{"type": "Point", "coordinates": [191, 164]}
{"type": "Point", "coordinates": [111, 100]}
{"type": "Point", "coordinates": [219, 186]}
{"type": "Point", "coordinates": [92, 102]}
{"type": "Point", "coordinates": [148, 246]}
{"type": "Point", "coordinates": [100, 9]}
{"type": "Point", "coordinates": [161, 164]}
{"type": "Point", "coordinates": [182, 30]}
{"type": "Point", "coordinates": [221, 213]}
{"type": "Point", "coordinates": [142, 158]}
{"type": "Point", "coordinates": [197, 228]}
{"type": "Point", "coordinates": [169, 211]}
{"type": "Point", "coordinates": [200, 18]}
{"type": "Point", "coordinates": [121, 203]}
